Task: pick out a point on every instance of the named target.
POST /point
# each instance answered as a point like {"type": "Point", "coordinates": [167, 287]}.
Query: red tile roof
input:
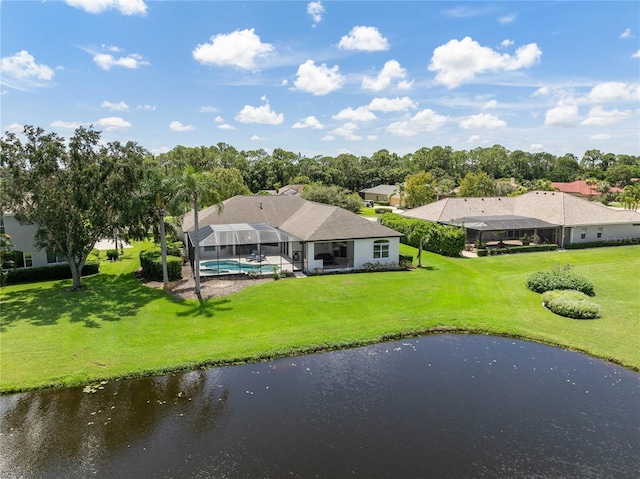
{"type": "Point", "coordinates": [580, 187]}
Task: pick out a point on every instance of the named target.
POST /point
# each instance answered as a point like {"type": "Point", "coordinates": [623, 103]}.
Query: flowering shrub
{"type": "Point", "coordinates": [570, 304]}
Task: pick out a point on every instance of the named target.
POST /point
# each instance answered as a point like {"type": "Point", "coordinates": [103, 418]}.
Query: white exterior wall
{"type": "Point", "coordinates": [609, 232]}
{"type": "Point", "coordinates": [363, 252]}
{"type": "Point", "coordinates": [22, 237]}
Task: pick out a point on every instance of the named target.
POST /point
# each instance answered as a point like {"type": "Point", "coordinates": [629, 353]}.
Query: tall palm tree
{"type": "Point", "coordinates": [199, 189]}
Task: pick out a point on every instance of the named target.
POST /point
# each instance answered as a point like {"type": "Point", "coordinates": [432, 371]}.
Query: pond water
{"type": "Point", "coordinates": [437, 406]}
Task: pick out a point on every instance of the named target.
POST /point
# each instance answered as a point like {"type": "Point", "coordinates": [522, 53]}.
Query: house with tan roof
{"type": "Point", "coordinates": [382, 194]}
{"type": "Point", "coordinates": [294, 234]}
{"type": "Point", "coordinates": [556, 217]}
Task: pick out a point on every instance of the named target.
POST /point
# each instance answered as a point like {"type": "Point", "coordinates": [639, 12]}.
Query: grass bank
{"type": "Point", "coordinates": [119, 328]}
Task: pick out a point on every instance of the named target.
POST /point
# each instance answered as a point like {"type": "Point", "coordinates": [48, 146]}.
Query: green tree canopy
{"type": "Point", "coordinates": [420, 189]}
{"type": "Point", "coordinates": [76, 195]}
{"type": "Point", "coordinates": [333, 195]}
{"type": "Point", "coordinates": [477, 184]}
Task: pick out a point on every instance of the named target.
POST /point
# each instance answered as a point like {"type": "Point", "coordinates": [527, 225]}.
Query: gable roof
{"type": "Point", "coordinates": [386, 190]}
{"type": "Point", "coordinates": [552, 207]}
{"type": "Point", "coordinates": [304, 219]}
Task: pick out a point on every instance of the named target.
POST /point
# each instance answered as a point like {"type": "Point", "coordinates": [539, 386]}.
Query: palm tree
{"type": "Point", "coordinates": [199, 189]}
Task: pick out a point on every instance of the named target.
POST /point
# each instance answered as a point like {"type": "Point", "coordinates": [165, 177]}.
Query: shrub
{"type": "Point", "coordinates": [406, 261]}
{"type": "Point", "coordinates": [523, 249]}
{"type": "Point", "coordinates": [112, 254]}
{"type": "Point", "coordinates": [444, 240]}
{"type": "Point", "coordinates": [151, 262]}
{"type": "Point", "coordinates": [175, 248]}
{"type": "Point", "coordinates": [482, 252]}
{"type": "Point", "coordinates": [604, 243]}
{"type": "Point", "coordinates": [46, 273]}
{"type": "Point", "coordinates": [559, 278]}
{"type": "Point", "coordinates": [570, 304]}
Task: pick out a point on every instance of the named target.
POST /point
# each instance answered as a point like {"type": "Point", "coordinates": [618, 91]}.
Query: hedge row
{"type": "Point", "coordinates": [444, 240]}
{"type": "Point", "coordinates": [557, 279]}
{"type": "Point", "coordinates": [46, 273]}
{"type": "Point", "coordinates": [604, 243]}
{"type": "Point", "coordinates": [151, 262]}
{"type": "Point", "coordinates": [570, 304]}
{"type": "Point", "coordinates": [520, 249]}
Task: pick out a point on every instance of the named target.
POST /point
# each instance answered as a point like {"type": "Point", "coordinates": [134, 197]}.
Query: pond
{"type": "Point", "coordinates": [436, 406]}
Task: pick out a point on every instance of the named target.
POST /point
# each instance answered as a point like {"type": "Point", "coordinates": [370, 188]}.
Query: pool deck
{"type": "Point", "coordinates": [266, 266]}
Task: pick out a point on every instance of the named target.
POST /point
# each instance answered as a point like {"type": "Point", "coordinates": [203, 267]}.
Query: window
{"type": "Point", "coordinates": [583, 233]}
{"type": "Point", "coordinates": [209, 248]}
{"type": "Point", "coordinates": [28, 260]}
{"type": "Point", "coordinates": [2, 231]}
{"type": "Point", "coordinates": [381, 249]}
{"type": "Point", "coordinates": [600, 229]}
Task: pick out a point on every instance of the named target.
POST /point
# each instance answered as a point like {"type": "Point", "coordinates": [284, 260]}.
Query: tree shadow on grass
{"type": "Point", "coordinates": [103, 298]}
{"type": "Point", "coordinates": [203, 307]}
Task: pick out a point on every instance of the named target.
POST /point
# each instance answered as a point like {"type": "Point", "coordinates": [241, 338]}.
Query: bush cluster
{"type": "Point", "coordinates": [405, 260]}
{"type": "Point", "coordinates": [521, 249]}
{"type": "Point", "coordinates": [151, 262]}
{"type": "Point", "coordinates": [444, 240]}
{"type": "Point", "coordinates": [600, 244]}
{"type": "Point", "coordinates": [559, 278]}
{"type": "Point", "coordinates": [46, 273]}
{"type": "Point", "coordinates": [112, 254]}
{"type": "Point", "coordinates": [175, 248]}
{"type": "Point", "coordinates": [570, 304]}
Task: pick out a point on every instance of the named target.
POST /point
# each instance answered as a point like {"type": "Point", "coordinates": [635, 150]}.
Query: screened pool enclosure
{"type": "Point", "coordinates": [245, 247]}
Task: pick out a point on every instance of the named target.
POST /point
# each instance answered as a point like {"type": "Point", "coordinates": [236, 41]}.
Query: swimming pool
{"type": "Point", "coordinates": [228, 266]}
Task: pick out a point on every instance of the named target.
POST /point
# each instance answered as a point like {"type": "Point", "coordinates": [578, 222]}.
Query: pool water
{"type": "Point", "coordinates": [228, 266]}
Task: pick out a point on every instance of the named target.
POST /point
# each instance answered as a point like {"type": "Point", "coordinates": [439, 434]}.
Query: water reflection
{"type": "Point", "coordinates": [442, 406]}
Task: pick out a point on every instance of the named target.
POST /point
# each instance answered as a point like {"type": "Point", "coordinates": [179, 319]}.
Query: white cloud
{"type": "Point", "coordinates": [473, 139]}
{"type": "Point", "coordinates": [626, 34]}
{"type": "Point", "coordinates": [372, 137]}
{"type": "Point", "coordinates": [240, 49]}
{"type": "Point", "coordinates": [391, 104]}
{"type": "Point", "coordinates": [126, 7]}
{"type": "Point", "coordinates": [490, 105]}
{"type": "Point", "coordinates": [208, 109]}
{"type": "Point", "coordinates": [482, 121]}
{"type": "Point", "coordinates": [316, 10]}
{"type": "Point", "coordinates": [177, 126]}
{"type": "Point", "coordinates": [600, 136]}
{"type": "Point", "coordinates": [404, 85]}
{"type": "Point", "coordinates": [160, 150]}
{"type": "Point", "coordinates": [598, 116]}
{"type": "Point", "coordinates": [120, 106]}
{"type": "Point", "coordinates": [20, 71]}
{"type": "Point", "coordinates": [347, 131]}
{"type": "Point", "coordinates": [457, 62]}
{"type": "Point", "coordinates": [309, 122]}
{"type": "Point", "coordinates": [391, 71]}
{"type": "Point", "coordinates": [226, 126]}
{"type": "Point", "coordinates": [425, 120]}
{"type": "Point", "coordinates": [14, 127]}
{"type": "Point", "coordinates": [506, 19]}
{"type": "Point", "coordinates": [67, 125]}
{"type": "Point", "coordinates": [147, 107]}
{"type": "Point", "coordinates": [614, 91]}
{"type": "Point", "coordinates": [113, 123]}
{"type": "Point", "coordinates": [328, 138]}
{"type": "Point", "coordinates": [361, 113]}
{"type": "Point", "coordinates": [566, 115]}
{"type": "Point", "coordinates": [466, 12]}
{"type": "Point", "coordinates": [256, 138]}
{"type": "Point", "coordinates": [636, 54]}
{"type": "Point", "coordinates": [506, 43]}
{"type": "Point", "coordinates": [318, 80]}
{"type": "Point", "coordinates": [218, 119]}
{"type": "Point", "coordinates": [106, 61]}
{"type": "Point", "coordinates": [259, 114]}
{"type": "Point", "coordinates": [4, 92]}
{"type": "Point", "coordinates": [367, 39]}
{"type": "Point", "coordinates": [536, 147]}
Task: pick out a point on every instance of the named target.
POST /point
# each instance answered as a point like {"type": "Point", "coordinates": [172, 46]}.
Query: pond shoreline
{"type": "Point", "coordinates": [319, 349]}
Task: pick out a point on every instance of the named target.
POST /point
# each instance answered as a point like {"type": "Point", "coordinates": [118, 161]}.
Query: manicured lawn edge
{"type": "Point", "coordinates": [436, 314]}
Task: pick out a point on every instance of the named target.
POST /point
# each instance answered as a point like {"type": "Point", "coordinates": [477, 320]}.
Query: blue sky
{"type": "Point", "coordinates": [327, 77]}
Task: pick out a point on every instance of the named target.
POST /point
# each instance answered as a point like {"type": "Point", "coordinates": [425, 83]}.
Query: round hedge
{"type": "Point", "coordinates": [556, 279]}
{"type": "Point", "coordinates": [570, 304]}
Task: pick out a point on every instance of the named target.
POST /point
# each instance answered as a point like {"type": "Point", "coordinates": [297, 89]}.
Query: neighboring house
{"type": "Point", "coordinates": [22, 241]}
{"type": "Point", "coordinates": [555, 217]}
{"type": "Point", "coordinates": [291, 190]}
{"type": "Point", "coordinates": [581, 189]}
{"type": "Point", "coordinates": [295, 234]}
{"type": "Point", "coordinates": [382, 194]}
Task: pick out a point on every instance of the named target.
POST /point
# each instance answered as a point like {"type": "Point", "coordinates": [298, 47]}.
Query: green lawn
{"type": "Point", "coordinates": [118, 327]}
